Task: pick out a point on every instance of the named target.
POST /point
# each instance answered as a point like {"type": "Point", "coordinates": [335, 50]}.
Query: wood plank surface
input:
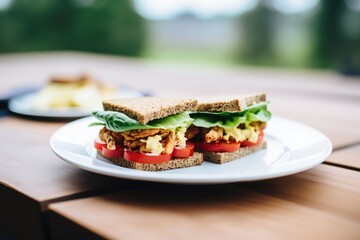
{"type": "Point", "coordinates": [347, 157]}
{"type": "Point", "coordinates": [331, 116]}
{"type": "Point", "coordinates": [167, 79]}
{"type": "Point", "coordinates": [327, 188]}
{"type": "Point", "coordinates": [31, 176]}
{"type": "Point", "coordinates": [29, 166]}
{"type": "Point", "coordinates": [310, 205]}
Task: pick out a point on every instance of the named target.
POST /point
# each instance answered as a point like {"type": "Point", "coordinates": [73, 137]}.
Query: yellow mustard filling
{"type": "Point", "coordinates": [241, 134]}
{"type": "Point", "coordinates": [153, 144]}
{"type": "Point", "coordinates": [180, 137]}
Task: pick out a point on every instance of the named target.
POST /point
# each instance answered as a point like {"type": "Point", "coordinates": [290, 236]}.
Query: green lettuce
{"type": "Point", "coordinates": [256, 112]}
{"type": "Point", "coordinates": [119, 122]}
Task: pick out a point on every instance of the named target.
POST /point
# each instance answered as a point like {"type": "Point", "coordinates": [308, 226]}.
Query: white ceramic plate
{"type": "Point", "coordinates": [23, 105]}
{"type": "Point", "coordinates": [292, 147]}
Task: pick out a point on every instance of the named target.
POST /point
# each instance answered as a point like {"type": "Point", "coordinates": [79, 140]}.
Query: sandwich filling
{"type": "Point", "coordinates": [162, 139]}
{"type": "Point", "coordinates": [243, 128]}
{"type": "Point", "coordinates": [157, 137]}
{"type": "Point", "coordinates": [153, 141]}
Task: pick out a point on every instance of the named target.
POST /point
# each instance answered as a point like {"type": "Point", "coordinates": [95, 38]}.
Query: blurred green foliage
{"type": "Point", "coordinates": [103, 26]}
{"type": "Point", "coordinates": [327, 33]}
{"type": "Point", "coordinates": [333, 42]}
{"type": "Point", "coordinates": [337, 38]}
{"type": "Point", "coordinates": [257, 44]}
{"type": "Point", "coordinates": [327, 36]}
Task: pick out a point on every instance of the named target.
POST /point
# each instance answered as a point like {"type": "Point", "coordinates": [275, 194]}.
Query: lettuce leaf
{"type": "Point", "coordinates": [119, 122]}
{"type": "Point", "coordinates": [256, 112]}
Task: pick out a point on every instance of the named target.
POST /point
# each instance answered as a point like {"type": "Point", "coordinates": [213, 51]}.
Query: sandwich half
{"type": "Point", "coordinates": [147, 133]}
{"type": "Point", "coordinates": [225, 129]}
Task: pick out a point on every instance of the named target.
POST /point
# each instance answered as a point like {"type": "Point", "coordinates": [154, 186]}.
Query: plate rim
{"type": "Point", "coordinates": [176, 179]}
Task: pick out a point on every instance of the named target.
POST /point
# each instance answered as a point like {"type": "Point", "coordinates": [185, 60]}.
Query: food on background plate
{"type": "Point", "coordinates": [225, 129]}
{"type": "Point", "coordinates": [147, 133]}
{"type": "Point", "coordinates": [82, 91]}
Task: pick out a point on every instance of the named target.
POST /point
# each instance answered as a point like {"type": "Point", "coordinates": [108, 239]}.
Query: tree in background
{"type": "Point", "coordinates": [337, 37]}
{"type": "Point", "coordinates": [256, 36]}
{"type": "Point", "coordinates": [334, 34]}
{"type": "Point", "coordinates": [103, 26]}
{"type": "Point", "coordinates": [327, 34]}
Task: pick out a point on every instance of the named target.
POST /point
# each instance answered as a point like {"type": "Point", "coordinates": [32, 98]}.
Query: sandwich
{"type": "Point", "coordinates": [225, 129]}
{"type": "Point", "coordinates": [147, 133]}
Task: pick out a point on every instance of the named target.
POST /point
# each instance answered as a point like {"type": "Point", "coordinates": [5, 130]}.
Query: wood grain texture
{"type": "Point", "coordinates": [31, 176]}
{"type": "Point", "coordinates": [348, 157]}
{"type": "Point", "coordinates": [321, 203]}
{"type": "Point", "coordinates": [30, 167]}
{"type": "Point", "coordinates": [303, 206]}
{"type": "Point", "coordinates": [166, 79]}
{"type": "Point", "coordinates": [330, 115]}
{"type": "Point", "coordinates": [327, 188]}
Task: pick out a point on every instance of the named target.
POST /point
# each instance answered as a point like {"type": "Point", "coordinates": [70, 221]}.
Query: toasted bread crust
{"type": "Point", "coordinates": [79, 80]}
{"type": "Point", "coordinates": [224, 157]}
{"type": "Point", "coordinates": [194, 160]}
{"type": "Point", "coordinates": [229, 104]}
{"type": "Point", "coordinates": [146, 109]}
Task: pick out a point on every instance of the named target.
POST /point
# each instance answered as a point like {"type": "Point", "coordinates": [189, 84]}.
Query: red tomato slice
{"type": "Point", "coordinates": [247, 143]}
{"type": "Point", "coordinates": [98, 144]}
{"type": "Point", "coordinates": [187, 151]}
{"type": "Point", "coordinates": [218, 147]}
{"type": "Point", "coordinates": [145, 157]}
{"type": "Point", "coordinates": [118, 152]}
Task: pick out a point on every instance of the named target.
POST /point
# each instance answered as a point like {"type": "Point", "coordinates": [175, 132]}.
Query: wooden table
{"type": "Point", "coordinates": [41, 197]}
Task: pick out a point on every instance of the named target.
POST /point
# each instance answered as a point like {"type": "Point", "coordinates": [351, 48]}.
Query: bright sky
{"type": "Point", "coordinates": [5, 4]}
{"type": "Point", "coordinates": [293, 6]}
{"type": "Point", "coordinates": [167, 9]}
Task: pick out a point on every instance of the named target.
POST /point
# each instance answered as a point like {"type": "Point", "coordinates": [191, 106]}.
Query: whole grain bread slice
{"type": "Point", "coordinates": [194, 160]}
{"type": "Point", "coordinates": [145, 109]}
{"type": "Point", "coordinates": [224, 157]}
{"type": "Point", "coordinates": [229, 103]}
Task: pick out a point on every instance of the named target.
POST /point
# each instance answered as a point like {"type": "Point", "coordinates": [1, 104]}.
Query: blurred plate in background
{"type": "Point", "coordinates": [23, 105]}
